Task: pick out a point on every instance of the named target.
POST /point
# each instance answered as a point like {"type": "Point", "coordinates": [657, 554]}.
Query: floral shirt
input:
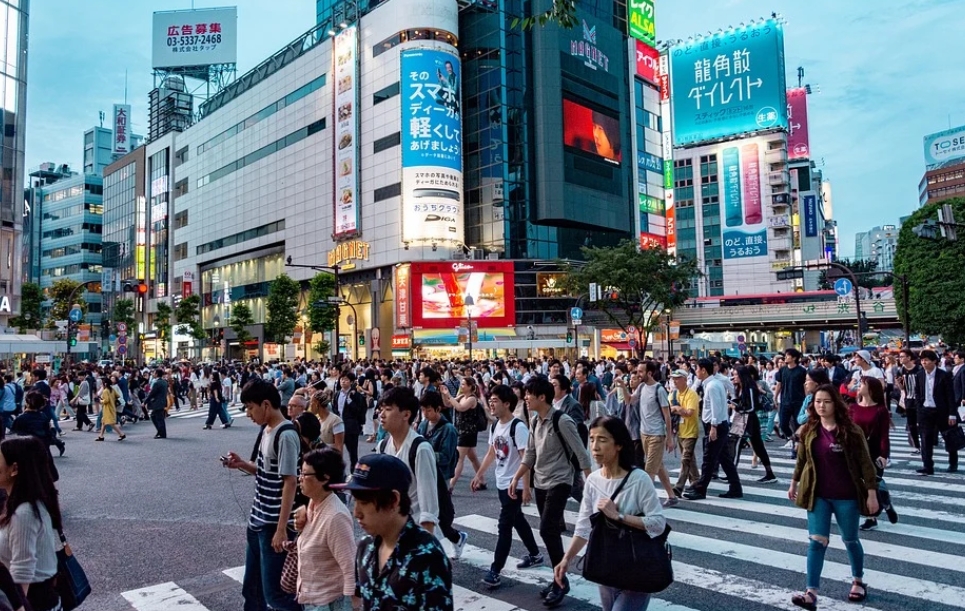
{"type": "Point", "coordinates": [417, 576]}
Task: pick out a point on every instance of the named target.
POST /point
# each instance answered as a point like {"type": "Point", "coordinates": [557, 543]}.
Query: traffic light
{"type": "Point", "coordinates": [863, 327]}
{"type": "Point", "coordinates": [134, 286]}
{"type": "Point", "coordinates": [569, 337]}
{"type": "Point", "coordinates": [73, 341]}
{"type": "Point", "coordinates": [142, 288]}
{"type": "Point", "coordinates": [928, 230]}
{"type": "Point", "coordinates": [361, 339]}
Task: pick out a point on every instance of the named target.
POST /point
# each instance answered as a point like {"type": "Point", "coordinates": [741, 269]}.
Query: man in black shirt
{"type": "Point", "coordinates": [907, 381]}
{"type": "Point", "coordinates": [790, 388]}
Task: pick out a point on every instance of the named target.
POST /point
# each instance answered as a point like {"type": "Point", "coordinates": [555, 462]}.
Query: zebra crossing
{"type": "Point", "coordinates": [745, 553]}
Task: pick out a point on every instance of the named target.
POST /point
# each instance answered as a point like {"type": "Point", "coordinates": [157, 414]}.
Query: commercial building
{"type": "Point", "coordinates": [13, 88]}
{"type": "Point", "coordinates": [877, 244]}
{"type": "Point", "coordinates": [652, 154]}
{"type": "Point", "coordinates": [944, 176]}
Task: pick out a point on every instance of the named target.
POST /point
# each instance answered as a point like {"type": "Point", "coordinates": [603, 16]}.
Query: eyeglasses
{"type": "Point", "coordinates": [306, 474]}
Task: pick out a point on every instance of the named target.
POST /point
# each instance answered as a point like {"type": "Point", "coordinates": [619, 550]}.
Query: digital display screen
{"type": "Point", "coordinates": [442, 290]}
{"type": "Point", "coordinates": [591, 131]}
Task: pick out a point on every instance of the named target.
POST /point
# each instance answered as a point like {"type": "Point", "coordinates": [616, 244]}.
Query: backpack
{"type": "Point", "coordinates": [482, 420]}
{"type": "Point", "coordinates": [571, 456]}
{"type": "Point", "coordinates": [447, 513]}
{"type": "Point", "coordinates": [512, 430]}
{"type": "Point", "coordinates": [300, 499]}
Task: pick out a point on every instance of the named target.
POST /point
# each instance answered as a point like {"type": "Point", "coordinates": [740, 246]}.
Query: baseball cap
{"type": "Point", "coordinates": [864, 354]}
{"type": "Point", "coordinates": [378, 472]}
{"type": "Point", "coordinates": [678, 373]}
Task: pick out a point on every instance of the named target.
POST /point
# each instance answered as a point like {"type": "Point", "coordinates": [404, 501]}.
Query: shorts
{"type": "Point", "coordinates": [467, 440]}
{"type": "Point", "coordinates": [653, 447]}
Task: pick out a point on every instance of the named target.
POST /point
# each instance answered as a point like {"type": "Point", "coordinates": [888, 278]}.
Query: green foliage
{"type": "Point", "coordinates": [321, 287]}
{"type": "Point", "coordinates": [60, 295]}
{"type": "Point", "coordinates": [188, 315]}
{"type": "Point", "coordinates": [281, 309]}
{"type": "Point", "coordinates": [935, 279]}
{"type": "Point", "coordinates": [562, 13]}
{"type": "Point", "coordinates": [646, 282]}
{"type": "Point", "coordinates": [162, 322]}
{"type": "Point", "coordinates": [31, 308]}
{"type": "Point", "coordinates": [863, 273]}
{"type": "Point", "coordinates": [322, 346]}
{"type": "Point", "coordinates": [123, 312]}
{"type": "Point", "coordinates": [241, 319]}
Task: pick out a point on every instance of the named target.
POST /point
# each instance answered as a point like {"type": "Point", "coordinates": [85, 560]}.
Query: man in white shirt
{"type": "Point", "coordinates": [717, 428]}
{"type": "Point", "coordinates": [864, 367]}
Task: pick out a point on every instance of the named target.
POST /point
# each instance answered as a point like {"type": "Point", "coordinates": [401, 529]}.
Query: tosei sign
{"type": "Point", "coordinates": [944, 146]}
{"type": "Point", "coordinates": [197, 37]}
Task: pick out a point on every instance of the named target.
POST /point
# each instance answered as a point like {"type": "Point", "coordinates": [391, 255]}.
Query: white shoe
{"type": "Point", "coordinates": [788, 446]}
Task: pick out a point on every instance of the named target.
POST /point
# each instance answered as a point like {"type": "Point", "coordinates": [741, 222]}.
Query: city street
{"type": "Point", "coordinates": [159, 524]}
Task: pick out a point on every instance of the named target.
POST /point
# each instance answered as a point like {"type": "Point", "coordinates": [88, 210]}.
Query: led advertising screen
{"type": "Point", "coordinates": [591, 131]}
{"type": "Point", "coordinates": [441, 289]}
{"type": "Point", "coordinates": [432, 199]}
{"type": "Point", "coordinates": [798, 143]}
{"type": "Point", "coordinates": [728, 84]}
{"type": "Point", "coordinates": [944, 146]}
{"type": "Point", "coordinates": [743, 228]}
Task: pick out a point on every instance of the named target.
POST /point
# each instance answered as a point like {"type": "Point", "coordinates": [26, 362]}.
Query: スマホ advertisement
{"type": "Point", "coordinates": [432, 209]}
{"type": "Point", "coordinates": [346, 134]}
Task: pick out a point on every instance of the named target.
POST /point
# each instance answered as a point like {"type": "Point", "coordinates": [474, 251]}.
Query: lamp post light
{"type": "Point", "coordinates": [669, 340]}
{"type": "Point", "coordinates": [469, 303]}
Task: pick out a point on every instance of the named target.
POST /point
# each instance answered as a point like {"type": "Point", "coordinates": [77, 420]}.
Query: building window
{"type": "Point", "coordinates": [388, 192]}
{"type": "Point", "coordinates": [386, 143]}
{"type": "Point", "coordinates": [180, 251]}
{"type": "Point", "coordinates": [181, 219]}
{"type": "Point", "coordinates": [384, 94]}
{"type": "Point", "coordinates": [250, 234]}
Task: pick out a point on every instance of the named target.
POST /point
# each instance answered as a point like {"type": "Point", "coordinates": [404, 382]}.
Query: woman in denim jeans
{"type": "Point", "coordinates": [833, 475]}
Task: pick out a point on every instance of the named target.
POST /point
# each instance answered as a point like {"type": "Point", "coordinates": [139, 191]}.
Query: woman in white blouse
{"type": "Point", "coordinates": [30, 521]}
{"type": "Point", "coordinates": [637, 506]}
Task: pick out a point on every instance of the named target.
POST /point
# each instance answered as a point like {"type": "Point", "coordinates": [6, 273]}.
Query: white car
{"type": "Point", "coordinates": [105, 363]}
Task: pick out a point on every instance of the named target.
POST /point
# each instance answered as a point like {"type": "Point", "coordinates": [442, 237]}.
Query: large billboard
{"type": "Point", "coordinates": [432, 207]}
{"type": "Point", "coordinates": [647, 62]}
{"type": "Point", "coordinates": [743, 227]}
{"type": "Point", "coordinates": [640, 22]}
{"type": "Point", "coordinates": [439, 292]}
{"type": "Point", "coordinates": [798, 143]}
{"type": "Point", "coordinates": [122, 129]}
{"type": "Point", "coordinates": [197, 37]}
{"type": "Point", "coordinates": [810, 215]}
{"type": "Point", "coordinates": [346, 134]}
{"type": "Point", "coordinates": [591, 131]}
{"type": "Point", "coordinates": [944, 146]}
{"type": "Point", "coordinates": [728, 84]}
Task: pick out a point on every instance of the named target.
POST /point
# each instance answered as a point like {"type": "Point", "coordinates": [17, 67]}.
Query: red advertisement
{"type": "Point", "coordinates": [751, 171]}
{"type": "Point", "coordinates": [648, 63]}
{"type": "Point", "coordinates": [403, 291]}
{"type": "Point", "coordinates": [798, 143]}
{"type": "Point", "coordinates": [671, 222]}
{"type": "Point", "coordinates": [441, 290]}
{"type": "Point", "coordinates": [186, 289]}
{"type": "Point", "coordinates": [591, 131]}
{"type": "Point", "coordinates": [400, 342]}
{"type": "Point", "coordinates": [652, 240]}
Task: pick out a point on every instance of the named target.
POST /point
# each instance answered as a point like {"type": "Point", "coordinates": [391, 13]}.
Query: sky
{"type": "Point", "coordinates": [889, 72]}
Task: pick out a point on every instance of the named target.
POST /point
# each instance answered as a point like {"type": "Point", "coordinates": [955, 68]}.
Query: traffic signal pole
{"type": "Point", "coordinates": [71, 324]}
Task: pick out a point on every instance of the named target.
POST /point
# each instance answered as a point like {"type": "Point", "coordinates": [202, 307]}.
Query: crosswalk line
{"type": "Point", "coordinates": [928, 484]}
{"type": "Point", "coordinates": [237, 573]}
{"type": "Point", "coordinates": [916, 497]}
{"type": "Point", "coordinates": [163, 597]}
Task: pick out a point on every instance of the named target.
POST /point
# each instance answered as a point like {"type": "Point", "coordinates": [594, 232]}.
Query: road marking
{"type": "Point", "coordinates": [931, 499]}
{"type": "Point", "coordinates": [163, 597]}
{"type": "Point", "coordinates": [920, 482]}
{"type": "Point", "coordinates": [467, 600]}
{"type": "Point", "coordinates": [237, 573]}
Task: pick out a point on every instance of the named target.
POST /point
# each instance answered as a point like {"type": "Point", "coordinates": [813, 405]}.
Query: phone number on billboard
{"type": "Point", "coordinates": [183, 41]}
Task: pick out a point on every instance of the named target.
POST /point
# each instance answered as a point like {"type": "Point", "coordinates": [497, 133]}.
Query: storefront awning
{"type": "Point", "coordinates": [31, 344]}
{"type": "Point", "coordinates": [448, 337]}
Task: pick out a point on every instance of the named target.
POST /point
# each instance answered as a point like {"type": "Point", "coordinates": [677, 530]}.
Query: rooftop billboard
{"type": "Point", "coordinates": [944, 146]}
{"type": "Point", "coordinates": [197, 37]}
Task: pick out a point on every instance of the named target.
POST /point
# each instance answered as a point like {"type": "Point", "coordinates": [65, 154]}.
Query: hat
{"type": "Point", "coordinates": [379, 472]}
{"type": "Point", "coordinates": [679, 373]}
{"type": "Point", "coordinates": [864, 354]}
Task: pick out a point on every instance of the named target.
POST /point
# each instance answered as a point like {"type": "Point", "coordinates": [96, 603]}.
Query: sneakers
{"type": "Point", "coordinates": [492, 579]}
{"type": "Point", "coordinates": [530, 561]}
{"type": "Point", "coordinates": [869, 524]}
{"type": "Point", "coordinates": [788, 446]}
{"type": "Point", "coordinates": [892, 514]}
{"type": "Point", "coordinates": [459, 547]}
{"type": "Point", "coordinates": [768, 479]}
{"type": "Point", "coordinates": [925, 472]}
{"type": "Point", "coordinates": [678, 492]}
{"type": "Point", "coordinates": [673, 502]}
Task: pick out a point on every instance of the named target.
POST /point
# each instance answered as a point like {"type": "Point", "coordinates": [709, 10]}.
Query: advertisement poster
{"type": "Point", "coordinates": [441, 291]}
{"type": "Point", "coordinates": [432, 207]}
{"type": "Point", "coordinates": [346, 134]}
{"type": "Point", "coordinates": [648, 63]}
{"type": "Point", "coordinates": [798, 143]}
{"type": "Point", "coordinates": [744, 230]}
{"type": "Point", "coordinates": [667, 146]}
{"type": "Point", "coordinates": [944, 146]}
{"type": "Point", "coordinates": [403, 297]}
{"type": "Point", "coordinates": [202, 37]}
{"type": "Point", "coordinates": [641, 21]}
{"type": "Point", "coordinates": [810, 216]}
{"type": "Point", "coordinates": [122, 129]}
{"type": "Point", "coordinates": [728, 84]}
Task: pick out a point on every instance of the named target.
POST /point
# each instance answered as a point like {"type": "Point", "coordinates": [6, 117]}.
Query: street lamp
{"type": "Point", "coordinates": [469, 302]}
{"type": "Point", "coordinates": [669, 340]}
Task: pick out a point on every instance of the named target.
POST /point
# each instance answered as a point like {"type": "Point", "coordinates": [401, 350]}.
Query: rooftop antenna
{"type": "Point", "coordinates": [800, 76]}
{"type": "Point", "coordinates": [101, 115]}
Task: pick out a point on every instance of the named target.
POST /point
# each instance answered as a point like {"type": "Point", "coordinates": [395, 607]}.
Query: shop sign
{"type": "Point", "coordinates": [4, 304]}
{"type": "Point", "coordinates": [549, 284]}
{"type": "Point", "coordinates": [347, 252]}
{"type": "Point", "coordinates": [588, 51]}
{"type": "Point", "coordinates": [403, 311]}
{"type": "Point", "coordinates": [401, 342]}
{"type": "Point", "coordinates": [613, 336]}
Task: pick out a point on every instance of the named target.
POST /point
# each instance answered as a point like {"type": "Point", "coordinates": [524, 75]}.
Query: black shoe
{"type": "Point", "coordinates": [678, 492]}
{"type": "Point", "coordinates": [693, 495]}
{"type": "Point", "coordinates": [546, 591]}
{"type": "Point", "coordinates": [530, 561]}
{"type": "Point", "coordinates": [951, 470]}
{"type": "Point", "coordinates": [556, 595]}
{"type": "Point", "coordinates": [869, 524]}
{"type": "Point", "coordinates": [892, 514]}
{"type": "Point", "coordinates": [159, 436]}
{"type": "Point", "coordinates": [731, 494]}
{"type": "Point", "coordinates": [925, 472]}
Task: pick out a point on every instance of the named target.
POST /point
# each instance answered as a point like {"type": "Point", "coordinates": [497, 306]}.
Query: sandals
{"type": "Point", "coordinates": [122, 438]}
{"type": "Point", "coordinates": [857, 597]}
{"type": "Point", "coordinates": [806, 601]}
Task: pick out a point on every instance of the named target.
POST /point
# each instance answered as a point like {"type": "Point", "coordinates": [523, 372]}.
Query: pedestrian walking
{"type": "Point", "coordinates": [685, 404]}
{"type": "Point", "coordinates": [108, 414]}
{"type": "Point", "coordinates": [937, 411]}
{"type": "Point", "coordinates": [716, 431]}
{"type": "Point", "coordinates": [747, 400]}
{"type": "Point", "coordinates": [871, 414]}
{"type": "Point", "coordinates": [157, 403]}
{"type": "Point", "coordinates": [216, 404]}
{"type": "Point", "coordinates": [466, 422]}
{"type": "Point", "coordinates": [789, 389]}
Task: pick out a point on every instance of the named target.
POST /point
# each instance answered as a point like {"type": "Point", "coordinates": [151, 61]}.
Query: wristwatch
{"type": "Point", "coordinates": [620, 517]}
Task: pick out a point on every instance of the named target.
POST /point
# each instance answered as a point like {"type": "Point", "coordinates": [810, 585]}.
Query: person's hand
{"type": "Point", "coordinates": [279, 540]}
{"type": "Point", "coordinates": [670, 443]}
{"type": "Point", "coordinates": [872, 502]}
{"type": "Point", "coordinates": [527, 495]}
{"type": "Point", "coordinates": [444, 391]}
{"type": "Point", "coordinates": [608, 508]}
{"type": "Point", "coordinates": [881, 461]}
{"type": "Point", "coordinates": [512, 488]}
{"type": "Point", "coordinates": [559, 571]}
{"type": "Point", "coordinates": [234, 461]}
{"type": "Point", "coordinates": [301, 518]}
{"type": "Point", "coordinates": [792, 492]}
{"type": "Point", "coordinates": [713, 433]}
{"type": "Point", "coordinates": [476, 483]}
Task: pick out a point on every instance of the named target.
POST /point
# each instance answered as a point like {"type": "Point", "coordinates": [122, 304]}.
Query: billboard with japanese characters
{"type": "Point", "coordinates": [432, 209]}
{"type": "Point", "coordinates": [122, 129]}
{"type": "Point", "coordinates": [944, 146]}
{"type": "Point", "coordinates": [439, 291]}
{"type": "Point", "coordinates": [728, 84]}
{"type": "Point", "coordinates": [641, 24]}
{"type": "Point", "coordinates": [798, 143]}
{"type": "Point", "coordinates": [197, 37]}
{"type": "Point", "coordinates": [741, 199]}
{"type": "Point", "coordinates": [346, 134]}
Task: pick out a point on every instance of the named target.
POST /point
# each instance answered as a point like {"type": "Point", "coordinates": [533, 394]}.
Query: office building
{"type": "Point", "coordinates": [877, 244]}
{"type": "Point", "coordinates": [98, 149]}
{"type": "Point", "coordinates": [942, 182]}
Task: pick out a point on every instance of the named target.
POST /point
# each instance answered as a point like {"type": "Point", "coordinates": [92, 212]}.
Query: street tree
{"type": "Point", "coordinates": [31, 308]}
{"type": "Point", "coordinates": [188, 316]}
{"type": "Point", "coordinates": [60, 295]}
{"type": "Point", "coordinates": [562, 13]}
{"type": "Point", "coordinates": [935, 279]}
{"type": "Point", "coordinates": [864, 271]}
{"type": "Point", "coordinates": [241, 319]}
{"type": "Point", "coordinates": [281, 309]}
{"type": "Point", "coordinates": [638, 285]}
{"type": "Point", "coordinates": [123, 312]}
{"type": "Point", "coordinates": [321, 318]}
{"type": "Point", "coordinates": [162, 325]}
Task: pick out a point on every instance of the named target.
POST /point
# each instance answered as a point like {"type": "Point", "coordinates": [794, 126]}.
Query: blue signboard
{"type": "Point", "coordinates": [728, 84]}
{"type": "Point", "coordinates": [810, 216]}
{"type": "Point", "coordinates": [843, 287]}
{"type": "Point", "coordinates": [647, 161]}
{"type": "Point", "coordinates": [739, 245]}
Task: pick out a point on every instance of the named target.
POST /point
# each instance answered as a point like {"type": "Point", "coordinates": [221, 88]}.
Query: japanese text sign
{"type": "Point", "coordinates": [798, 143]}
{"type": "Point", "coordinates": [200, 37]}
{"type": "Point", "coordinates": [122, 129]}
{"type": "Point", "coordinates": [641, 21]}
{"type": "Point", "coordinates": [648, 63]}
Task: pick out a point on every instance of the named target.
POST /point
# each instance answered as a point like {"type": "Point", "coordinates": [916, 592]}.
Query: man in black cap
{"type": "Point", "coordinates": [399, 566]}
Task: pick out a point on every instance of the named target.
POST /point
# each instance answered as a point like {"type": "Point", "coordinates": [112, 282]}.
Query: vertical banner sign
{"type": "Point", "coordinates": [346, 134]}
{"type": "Point", "coordinates": [648, 63]}
{"type": "Point", "coordinates": [122, 129]}
{"type": "Point", "coordinates": [641, 21]}
{"type": "Point", "coordinates": [733, 206]}
{"type": "Point", "coordinates": [187, 284]}
{"type": "Point", "coordinates": [663, 76]}
{"type": "Point", "coordinates": [744, 231]}
{"type": "Point", "coordinates": [810, 216]}
{"type": "Point", "coordinates": [432, 208]}
{"type": "Point", "coordinates": [753, 211]}
{"type": "Point", "coordinates": [403, 301]}
{"type": "Point", "coordinates": [728, 84]}
{"type": "Point", "coordinates": [798, 143]}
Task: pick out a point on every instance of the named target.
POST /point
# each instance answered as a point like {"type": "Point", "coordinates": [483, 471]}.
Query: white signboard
{"type": "Point", "coordinates": [944, 147]}
{"type": "Point", "coordinates": [346, 134]}
{"type": "Point", "coordinates": [200, 37]}
{"type": "Point", "coordinates": [122, 129]}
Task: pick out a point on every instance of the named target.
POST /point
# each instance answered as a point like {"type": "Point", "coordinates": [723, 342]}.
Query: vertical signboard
{"type": "Point", "coordinates": [728, 84]}
{"type": "Point", "coordinates": [744, 230]}
{"type": "Point", "coordinates": [346, 134]}
{"type": "Point", "coordinates": [640, 21]}
{"type": "Point", "coordinates": [663, 76]}
{"type": "Point", "coordinates": [431, 146]}
{"type": "Point", "coordinates": [122, 129]}
{"type": "Point", "coordinates": [648, 62]}
{"type": "Point", "coordinates": [810, 216]}
{"type": "Point", "coordinates": [798, 143]}
{"type": "Point", "coordinates": [403, 298]}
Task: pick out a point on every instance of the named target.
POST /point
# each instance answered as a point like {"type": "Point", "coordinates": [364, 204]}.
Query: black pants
{"type": "Point", "coordinates": [911, 424]}
{"type": "Point", "coordinates": [353, 428]}
{"type": "Point", "coordinates": [788, 419]}
{"type": "Point", "coordinates": [43, 595]}
{"type": "Point", "coordinates": [639, 459]}
{"type": "Point", "coordinates": [931, 424]}
{"type": "Point", "coordinates": [157, 417]}
{"type": "Point", "coordinates": [82, 418]}
{"type": "Point", "coordinates": [510, 517]}
{"type": "Point", "coordinates": [551, 504]}
{"type": "Point", "coordinates": [716, 453]}
{"type": "Point", "coordinates": [757, 442]}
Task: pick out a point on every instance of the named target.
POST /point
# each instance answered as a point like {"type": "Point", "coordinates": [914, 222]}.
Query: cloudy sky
{"type": "Point", "coordinates": [889, 72]}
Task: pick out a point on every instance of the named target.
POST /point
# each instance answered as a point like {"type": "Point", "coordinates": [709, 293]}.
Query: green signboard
{"type": "Point", "coordinates": [667, 174]}
{"type": "Point", "coordinates": [651, 204]}
{"type": "Point", "coordinates": [641, 23]}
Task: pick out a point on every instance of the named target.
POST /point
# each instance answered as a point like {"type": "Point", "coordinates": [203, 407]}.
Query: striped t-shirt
{"type": "Point", "coordinates": [268, 476]}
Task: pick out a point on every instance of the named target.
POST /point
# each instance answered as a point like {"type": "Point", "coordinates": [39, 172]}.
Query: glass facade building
{"type": "Point", "coordinates": [13, 94]}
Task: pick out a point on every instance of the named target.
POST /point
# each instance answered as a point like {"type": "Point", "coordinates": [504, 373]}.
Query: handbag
{"type": "Point", "coordinates": [289, 570]}
{"type": "Point", "coordinates": [71, 581]}
{"type": "Point", "coordinates": [626, 558]}
{"type": "Point", "coordinates": [954, 439]}
{"type": "Point", "coordinates": [738, 424]}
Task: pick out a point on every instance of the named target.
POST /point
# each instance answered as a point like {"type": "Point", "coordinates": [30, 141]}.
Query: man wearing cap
{"type": "Point", "coordinates": [685, 403]}
{"type": "Point", "coordinates": [399, 566]}
{"type": "Point", "coordinates": [864, 367]}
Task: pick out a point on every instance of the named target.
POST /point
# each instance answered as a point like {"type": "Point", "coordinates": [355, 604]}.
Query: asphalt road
{"type": "Point", "coordinates": [146, 514]}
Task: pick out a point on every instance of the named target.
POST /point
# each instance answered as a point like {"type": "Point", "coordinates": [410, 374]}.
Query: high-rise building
{"type": "Point", "coordinates": [13, 25]}
{"type": "Point", "coordinates": [877, 244]}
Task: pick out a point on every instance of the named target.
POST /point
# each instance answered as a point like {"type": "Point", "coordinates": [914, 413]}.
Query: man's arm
{"type": "Point", "coordinates": [425, 477]}
{"type": "Point", "coordinates": [287, 500]}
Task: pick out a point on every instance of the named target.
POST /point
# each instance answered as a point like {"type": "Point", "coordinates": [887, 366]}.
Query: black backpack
{"type": "Point", "coordinates": [447, 513]}
{"type": "Point", "coordinates": [570, 455]}
{"type": "Point", "coordinates": [512, 430]}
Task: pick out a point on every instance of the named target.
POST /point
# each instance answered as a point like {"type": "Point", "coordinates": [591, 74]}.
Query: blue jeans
{"type": "Point", "coordinates": [53, 416]}
{"type": "Point", "coordinates": [343, 603]}
{"type": "Point", "coordinates": [612, 599]}
{"type": "Point", "coordinates": [262, 583]}
{"type": "Point", "coordinates": [846, 513]}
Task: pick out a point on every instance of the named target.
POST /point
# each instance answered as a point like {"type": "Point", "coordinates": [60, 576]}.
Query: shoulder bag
{"type": "Point", "coordinates": [289, 570]}
{"type": "Point", "coordinates": [72, 584]}
{"type": "Point", "coordinates": [627, 558]}
{"type": "Point", "coordinates": [954, 439]}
